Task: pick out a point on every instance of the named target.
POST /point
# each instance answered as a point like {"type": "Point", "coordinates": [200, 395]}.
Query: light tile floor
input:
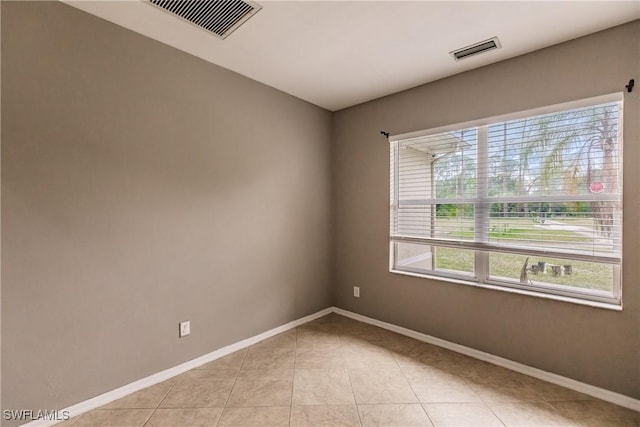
{"type": "Point", "coordinates": [335, 371]}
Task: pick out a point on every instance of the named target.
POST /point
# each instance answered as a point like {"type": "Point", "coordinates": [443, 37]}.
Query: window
{"type": "Point", "coordinates": [531, 201]}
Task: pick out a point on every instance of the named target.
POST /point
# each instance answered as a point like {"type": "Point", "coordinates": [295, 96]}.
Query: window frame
{"type": "Point", "coordinates": [481, 270]}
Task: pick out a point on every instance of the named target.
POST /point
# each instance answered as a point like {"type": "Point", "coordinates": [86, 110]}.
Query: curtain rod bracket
{"type": "Point", "coordinates": [384, 133]}
{"type": "Point", "coordinates": [629, 87]}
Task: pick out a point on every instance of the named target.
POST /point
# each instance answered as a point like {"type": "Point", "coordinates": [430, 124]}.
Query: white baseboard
{"type": "Point", "coordinates": [597, 392]}
{"type": "Point", "coordinates": [103, 399]}
{"type": "Point", "coordinates": [108, 397]}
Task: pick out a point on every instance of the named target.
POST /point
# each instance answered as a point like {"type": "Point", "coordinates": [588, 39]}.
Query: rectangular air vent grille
{"type": "Point", "coordinates": [220, 17]}
{"type": "Point", "coordinates": [476, 48]}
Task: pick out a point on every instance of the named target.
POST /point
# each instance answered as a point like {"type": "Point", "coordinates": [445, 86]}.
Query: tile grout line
{"type": "Point", "coordinates": [393, 355]}
{"type": "Point", "coordinates": [427, 414]}
{"type": "Point", "coordinates": [504, 423]}
{"type": "Point", "coordinates": [160, 402]}
{"type": "Point", "coordinates": [465, 381]}
{"type": "Point", "coordinates": [293, 379]}
{"type": "Point", "coordinates": [148, 418]}
{"type": "Point", "coordinates": [346, 367]}
{"type": "Point", "coordinates": [404, 375]}
{"type": "Point", "coordinates": [234, 384]}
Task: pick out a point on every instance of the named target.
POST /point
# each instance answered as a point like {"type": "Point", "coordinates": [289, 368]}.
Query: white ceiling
{"type": "Point", "coordinates": [340, 53]}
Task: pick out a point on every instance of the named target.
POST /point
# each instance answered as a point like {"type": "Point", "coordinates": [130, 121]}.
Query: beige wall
{"type": "Point", "coordinates": [142, 186]}
{"type": "Point", "coordinates": [597, 346]}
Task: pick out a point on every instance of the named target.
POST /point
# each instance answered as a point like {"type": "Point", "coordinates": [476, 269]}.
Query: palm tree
{"type": "Point", "coordinates": [571, 146]}
{"type": "Point", "coordinates": [605, 139]}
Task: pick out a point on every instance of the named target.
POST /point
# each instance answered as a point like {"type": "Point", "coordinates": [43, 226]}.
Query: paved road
{"type": "Point", "coordinates": [583, 231]}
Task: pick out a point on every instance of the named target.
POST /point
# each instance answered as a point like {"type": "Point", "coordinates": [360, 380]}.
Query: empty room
{"type": "Point", "coordinates": [320, 213]}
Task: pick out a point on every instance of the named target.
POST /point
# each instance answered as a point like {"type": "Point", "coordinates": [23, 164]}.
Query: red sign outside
{"type": "Point", "coordinates": [596, 187]}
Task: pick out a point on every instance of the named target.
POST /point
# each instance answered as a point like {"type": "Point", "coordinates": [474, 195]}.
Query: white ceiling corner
{"type": "Point", "coordinates": [340, 53]}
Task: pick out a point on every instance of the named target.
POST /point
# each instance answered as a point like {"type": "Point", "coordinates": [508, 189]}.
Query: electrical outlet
{"type": "Point", "coordinates": [356, 291]}
{"type": "Point", "coordinates": [184, 328]}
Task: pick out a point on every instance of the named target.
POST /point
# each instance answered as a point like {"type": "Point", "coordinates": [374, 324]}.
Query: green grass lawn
{"type": "Point", "coordinates": [512, 230]}
{"type": "Point", "coordinates": [455, 259]}
{"type": "Point", "coordinates": [585, 275]}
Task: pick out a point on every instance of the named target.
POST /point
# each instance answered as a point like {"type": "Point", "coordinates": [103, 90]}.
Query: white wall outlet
{"type": "Point", "coordinates": [356, 291]}
{"type": "Point", "coordinates": [184, 328]}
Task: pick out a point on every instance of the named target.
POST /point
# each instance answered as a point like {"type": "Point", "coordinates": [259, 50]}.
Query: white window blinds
{"type": "Point", "coordinates": [539, 185]}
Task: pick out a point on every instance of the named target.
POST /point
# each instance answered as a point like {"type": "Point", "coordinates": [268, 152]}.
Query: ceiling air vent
{"type": "Point", "coordinates": [476, 48]}
{"type": "Point", "coordinates": [220, 17]}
